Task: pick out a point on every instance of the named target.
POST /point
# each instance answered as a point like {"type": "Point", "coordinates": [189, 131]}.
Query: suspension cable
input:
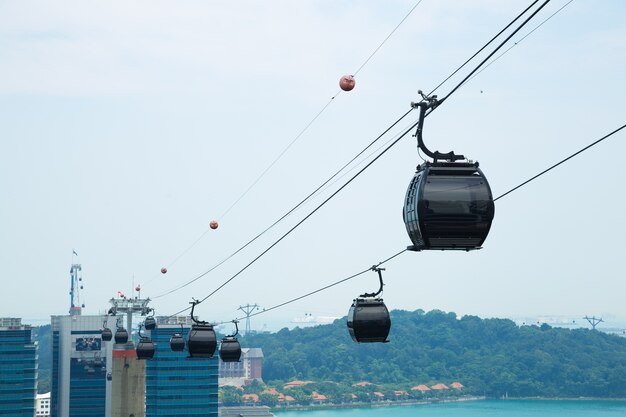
{"type": "Point", "coordinates": [372, 161]}
{"type": "Point", "coordinates": [303, 201]}
{"type": "Point", "coordinates": [561, 162]}
{"type": "Point", "coordinates": [295, 139]}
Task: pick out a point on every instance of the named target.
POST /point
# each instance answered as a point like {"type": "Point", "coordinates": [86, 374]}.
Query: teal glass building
{"type": "Point", "coordinates": [178, 386]}
{"type": "Point", "coordinates": [79, 367]}
{"type": "Point", "coordinates": [18, 369]}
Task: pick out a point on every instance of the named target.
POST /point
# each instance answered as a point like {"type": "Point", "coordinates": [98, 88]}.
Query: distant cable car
{"type": "Point", "coordinates": [150, 323]}
{"type": "Point", "coordinates": [368, 318]}
{"type": "Point", "coordinates": [164, 270]}
{"type": "Point", "coordinates": [177, 342]}
{"type": "Point", "coordinates": [214, 224]}
{"type": "Point", "coordinates": [121, 335]}
{"type": "Point", "coordinates": [109, 376]}
{"type": "Point", "coordinates": [230, 349]}
{"type": "Point", "coordinates": [106, 334]}
{"type": "Point", "coordinates": [201, 340]}
{"type": "Point", "coordinates": [448, 205]}
{"type": "Point", "coordinates": [145, 347]}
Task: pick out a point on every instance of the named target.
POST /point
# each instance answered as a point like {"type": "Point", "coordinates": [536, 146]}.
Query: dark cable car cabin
{"type": "Point", "coordinates": [145, 346]}
{"type": "Point", "coordinates": [448, 205]}
{"type": "Point", "coordinates": [177, 343]}
{"type": "Point", "coordinates": [150, 323]}
{"type": "Point", "coordinates": [368, 318]}
{"type": "Point", "coordinates": [369, 321]}
{"type": "Point", "coordinates": [230, 349]}
{"type": "Point", "coordinates": [106, 334]}
{"type": "Point", "coordinates": [121, 335]}
{"type": "Point", "coordinates": [201, 340]}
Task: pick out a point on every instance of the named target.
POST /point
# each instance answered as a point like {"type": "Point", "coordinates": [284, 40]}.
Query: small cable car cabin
{"type": "Point", "coordinates": [448, 205]}
{"type": "Point", "coordinates": [201, 341]}
{"type": "Point", "coordinates": [145, 348]}
{"type": "Point", "coordinates": [177, 343]}
{"type": "Point", "coordinates": [121, 335]}
{"type": "Point", "coordinates": [369, 321]}
{"type": "Point", "coordinates": [230, 349]}
{"type": "Point", "coordinates": [150, 323]}
{"type": "Point", "coordinates": [106, 334]}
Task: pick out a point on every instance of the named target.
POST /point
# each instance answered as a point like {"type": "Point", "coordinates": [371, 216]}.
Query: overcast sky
{"type": "Point", "coordinates": [126, 127]}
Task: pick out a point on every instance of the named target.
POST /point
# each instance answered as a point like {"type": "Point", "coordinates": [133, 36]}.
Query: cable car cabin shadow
{"type": "Point", "coordinates": [448, 206]}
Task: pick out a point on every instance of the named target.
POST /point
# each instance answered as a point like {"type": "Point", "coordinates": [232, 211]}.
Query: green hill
{"type": "Point", "coordinates": [492, 357]}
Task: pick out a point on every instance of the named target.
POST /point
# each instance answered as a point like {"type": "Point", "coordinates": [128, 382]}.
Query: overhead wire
{"type": "Point", "coordinates": [296, 138]}
{"type": "Point", "coordinates": [290, 211]}
{"type": "Point", "coordinates": [323, 186]}
{"type": "Point", "coordinates": [561, 162]}
{"type": "Point", "coordinates": [369, 163]}
{"type": "Point", "coordinates": [520, 40]}
{"type": "Point", "coordinates": [265, 310]}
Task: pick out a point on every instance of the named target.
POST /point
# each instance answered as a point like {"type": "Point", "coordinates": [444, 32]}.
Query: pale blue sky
{"type": "Point", "coordinates": [126, 127]}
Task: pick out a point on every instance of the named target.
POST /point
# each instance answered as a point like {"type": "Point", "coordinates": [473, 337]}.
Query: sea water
{"type": "Point", "coordinates": [482, 408]}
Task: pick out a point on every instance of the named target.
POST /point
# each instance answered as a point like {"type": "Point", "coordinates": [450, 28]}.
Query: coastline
{"type": "Point", "coordinates": [378, 404]}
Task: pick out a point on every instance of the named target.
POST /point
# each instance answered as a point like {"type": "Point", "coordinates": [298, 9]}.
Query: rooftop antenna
{"type": "Point", "coordinates": [593, 321]}
{"type": "Point", "coordinates": [76, 278]}
{"type": "Point", "coordinates": [248, 309]}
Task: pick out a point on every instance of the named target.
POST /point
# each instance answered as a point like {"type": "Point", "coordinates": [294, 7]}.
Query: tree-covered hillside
{"type": "Point", "coordinates": [492, 357]}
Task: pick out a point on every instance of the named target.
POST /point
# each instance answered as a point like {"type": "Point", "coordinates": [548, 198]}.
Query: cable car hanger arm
{"type": "Point", "coordinates": [430, 103]}
{"type": "Point", "coordinates": [380, 279]}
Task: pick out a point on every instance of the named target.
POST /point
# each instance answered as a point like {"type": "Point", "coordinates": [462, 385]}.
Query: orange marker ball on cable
{"type": "Point", "coordinates": [347, 82]}
{"type": "Point", "coordinates": [213, 225]}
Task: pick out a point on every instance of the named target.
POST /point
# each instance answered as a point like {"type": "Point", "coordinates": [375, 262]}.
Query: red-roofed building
{"type": "Point", "coordinates": [296, 384]}
{"type": "Point", "coordinates": [400, 393]}
{"type": "Point", "coordinates": [250, 398]}
{"type": "Point", "coordinates": [379, 394]}
{"type": "Point", "coordinates": [362, 384]}
{"type": "Point", "coordinates": [457, 385]}
{"type": "Point", "coordinates": [421, 388]}
{"type": "Point", "coordinates": [439, 386]}
{"type": "Point", "coordinates": [315, 396]}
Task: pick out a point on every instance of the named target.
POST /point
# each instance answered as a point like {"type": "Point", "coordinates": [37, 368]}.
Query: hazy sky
{"type": "Point", "coordinates": [125, 127]}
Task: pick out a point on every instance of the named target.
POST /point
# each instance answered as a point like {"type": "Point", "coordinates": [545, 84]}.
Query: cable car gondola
{"type": "Point", "coordinates": [201, 340]}
{"type": "Point", "coordinates": [121, 335]}
{"type": "Point", "coordinates": [106, 334]}
{"type": "Point", "coordinates": [230, 349]}
{"type": "Point", "coordinates": [150, 323]}
{"type": "Point", "coordinates": [368, 318]}
{"type": "Point", "coordinates": [145, 348]}
{"type": "Point", "coordinates": [448, 205]}
{"type": "Point", "coordinates": [177, 342]}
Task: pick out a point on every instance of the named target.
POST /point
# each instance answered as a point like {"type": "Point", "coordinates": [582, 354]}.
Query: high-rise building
{"type": "Point", "coordinates": [177, 385]}
{"type": "Point", "coordinates": [18, 369]}
{"type": "Point", "coordinates": [79, 366]}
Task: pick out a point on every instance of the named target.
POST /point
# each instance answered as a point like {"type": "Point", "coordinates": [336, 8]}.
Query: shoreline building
{"type": "Point", "coordinates": [177, 385]}
{"type": "Point", "coordinates": [245, 371]}
{"type": "Point", "coordinates": [18, 369]}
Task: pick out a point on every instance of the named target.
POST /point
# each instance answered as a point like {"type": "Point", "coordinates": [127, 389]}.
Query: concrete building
{"type": "Point", "coordinates": [42, 405]}
{"type": "Point", "coordinates": [177, 385]}
{"type": "Point", "coordinates": [80, 363]}
{"type": "Point", "coordinates": [247, 369]}
{"type": "Point", "coordinates": [18, 369]}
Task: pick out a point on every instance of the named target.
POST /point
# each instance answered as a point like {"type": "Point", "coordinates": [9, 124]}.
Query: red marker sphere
{"type": "Point", "coordinates": [164, 270]}
{"type": "Point", "coordinates": [213, 225]}
{"type": "Point", "coordinates": [347, 82]}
